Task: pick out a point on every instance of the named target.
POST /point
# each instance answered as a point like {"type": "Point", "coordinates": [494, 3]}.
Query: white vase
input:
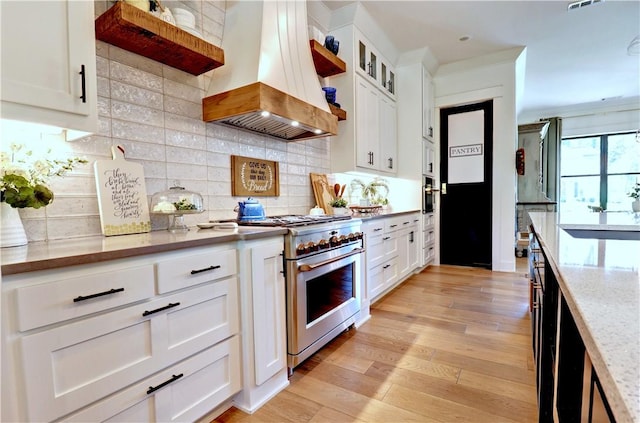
{"type": "Point", "coordinates": [340, 211]}
{"type": "Point", "coordinates": [11, 229]}
{"type": "Point", "coordinates": [635, 206]}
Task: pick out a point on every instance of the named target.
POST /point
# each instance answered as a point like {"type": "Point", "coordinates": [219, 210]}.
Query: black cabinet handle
{"type": "Point", "coordinates": [206, 269]}
{"type": "Point", "coordinates": [430, 131]}
{"type": "Point", "coordinates": [405, 223]}
{"type": "Point", "coordinates": [386, 238]}
{"type": "Point", "coordinates": [393, 226]}
{"type": "Point", "coordinates": [99, 294]}
{"type": "Point", "coordinates": [284, 265]}
{"type": "Point", "coordinates": [170, 305]}
{"type": "Point", "coordinates": [387, 266]}
{"type": "Point", "coordinates": [390, 163]}
{"type": "Point", "coordinates": [411, 236]}
{"type": "Point", "coordinates": [377, 229]}
{"type": "Point", "coordinates": [430, 167]}
{"type": "Point", "coordinates": [163, 384]}
{"type": "Point", "coordinates": [84, 84]}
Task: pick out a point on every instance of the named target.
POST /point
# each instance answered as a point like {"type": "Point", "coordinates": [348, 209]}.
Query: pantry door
{"type": "Point", "coordinates": [465, 174]}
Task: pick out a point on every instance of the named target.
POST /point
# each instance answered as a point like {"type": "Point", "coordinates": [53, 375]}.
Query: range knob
{"type": "Point", "coordinates": [342, 239]}
{"type": "Point", "coordinates": [312, 246]}
{"type": "Point", "coordinates": [323, 243]}
{"type": "Point", "coordinates": [351, 237]}
{"type": "Point", "coordinates": [333, 241]}
{"type": "Point", "coordinates": [358, 235]}
{"type": "Point", "coordinates": [300, 249]}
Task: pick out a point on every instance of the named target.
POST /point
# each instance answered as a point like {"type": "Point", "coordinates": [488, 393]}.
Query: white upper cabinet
{"type": "Point", "coordinates": [49, 63]}
{"type": "Point", "coordinates": [368, 141]}
{"type": "Point", "coordinates": [427, 105]}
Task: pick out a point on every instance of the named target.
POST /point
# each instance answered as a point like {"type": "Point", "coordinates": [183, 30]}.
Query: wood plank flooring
{"type": "Point", "coordinates": [451, 344]}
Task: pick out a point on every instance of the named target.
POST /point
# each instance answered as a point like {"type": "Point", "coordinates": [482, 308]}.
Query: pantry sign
{"type": "Point", "coordinates": [254, 177]}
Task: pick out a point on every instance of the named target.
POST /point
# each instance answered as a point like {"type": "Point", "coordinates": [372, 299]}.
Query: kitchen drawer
{"type": "Point", "coordinates": [429, 253]}
{"type": "Point", "coordinates": [429, 236]}
{"type": "Point", "coordinates": [374, 246]}
{"type": "Point", "coordinates": [188, 268]}
{"type": "Point", "coordinates": [395, 223]}
{"type": "Point", "coordinates": [70, 366]}
{"type": "Point", "coordinates": [68, 298]}
{"type": "Point", "coordinates": [428, 220]}
{"type": "Point", "coordinates": [198, 385]}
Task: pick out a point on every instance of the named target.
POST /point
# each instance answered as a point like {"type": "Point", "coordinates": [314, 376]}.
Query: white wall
{"type": "Point", "coordinates": [471, 81]}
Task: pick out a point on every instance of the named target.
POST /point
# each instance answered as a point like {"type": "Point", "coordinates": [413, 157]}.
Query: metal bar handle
{"type": "Point", "coordinates": [99, 294]}
{"type": "Point", "coordinates": [157, 310]}
{"type": "Point", "coordinates": [206, 269]}
{"type": "Point", "coordinates": [84, 84]}
{"type": "Point", "coordinates": [163, 384]}
{"type": "Point", "coordinates": [310, 267]}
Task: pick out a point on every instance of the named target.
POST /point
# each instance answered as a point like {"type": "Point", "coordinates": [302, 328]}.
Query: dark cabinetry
{"type": "Point", "coordinates": [567, 386]}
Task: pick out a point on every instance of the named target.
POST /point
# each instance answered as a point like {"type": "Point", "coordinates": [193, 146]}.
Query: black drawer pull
{"type": "Point", "coordinates": [386, 238]}
{"type": "Point", "coordinates": [99, 294]}
{"type": "Point", "coordinates": [377, 229]}
{"type": "Point", "coordinates": [386, 266]}
{"type": "Point", "coordinates": [163, 384]}
{"type": "Point", "coordinates": [206, 269]}
{"type": "Point", "coordinates": [393, 226]}
{"type": "Point", "coordinates": [170, 305]}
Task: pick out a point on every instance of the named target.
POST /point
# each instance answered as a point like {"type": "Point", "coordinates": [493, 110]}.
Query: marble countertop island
{"type": "Point", "coordinates": [600, 280]}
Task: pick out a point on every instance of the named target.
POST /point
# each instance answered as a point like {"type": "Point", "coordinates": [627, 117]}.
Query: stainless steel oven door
{"type": "Point", "coordinates": [323, 292]}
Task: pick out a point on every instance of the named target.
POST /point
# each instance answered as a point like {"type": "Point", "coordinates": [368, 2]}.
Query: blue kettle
{"type": "Point", "coordinates": [249, 210]}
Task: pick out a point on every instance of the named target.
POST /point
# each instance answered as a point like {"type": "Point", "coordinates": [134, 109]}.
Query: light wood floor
{"type": "Point", "coordinates": [450, 344]}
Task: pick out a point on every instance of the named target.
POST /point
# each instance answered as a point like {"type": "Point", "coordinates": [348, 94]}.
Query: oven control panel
{"type": "Point", "coordinates": [335, 240]}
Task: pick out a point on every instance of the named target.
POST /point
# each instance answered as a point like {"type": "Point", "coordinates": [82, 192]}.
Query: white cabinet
{"type": "Point", "coordinates": [376, 118]}
{"type": "Point", "coordinates": [49, 63]}
{"type": "Point", "coordinates": [392, 252]}
{"type": "Point", "coordinates": [428, 109]}
{"type": "Point", "coordinates": [264, 349]}
{"type": "Point", "coordinates": [368, 141]}
{"type": "Point", "coordinates": [79, 335]}
{"type": "Point", "coordinates": [408, 244]}
{"type": "Point", "coordinates": [428, 239]}
{"type": "Point", "coordinates": [373, 66]}
{"type": "Point", "coordinates": [428, 159]}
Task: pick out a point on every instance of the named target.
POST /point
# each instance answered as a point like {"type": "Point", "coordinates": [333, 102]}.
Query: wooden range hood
{"type": "Point", "coordinates": [268, 83]}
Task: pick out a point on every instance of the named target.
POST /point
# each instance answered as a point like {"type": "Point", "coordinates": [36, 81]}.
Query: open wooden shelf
{"type": "Point", "coordinates": [342, 114]}
{"type": "Point", "coordinates": [135, 30]}
{"type": "Point", "coordinates": [327, 63]}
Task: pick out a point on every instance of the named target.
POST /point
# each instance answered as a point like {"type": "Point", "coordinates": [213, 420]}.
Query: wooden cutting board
{"type": "Point", "coordinates": [322, 191]}
{"type": "Point", "coordinates": [122, 195]}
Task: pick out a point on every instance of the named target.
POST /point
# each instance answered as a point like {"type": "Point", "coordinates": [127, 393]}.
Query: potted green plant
{"type": "Point", "coordinates": [635, 194]}
{"type": "Point", "coordinates": [339, 206]}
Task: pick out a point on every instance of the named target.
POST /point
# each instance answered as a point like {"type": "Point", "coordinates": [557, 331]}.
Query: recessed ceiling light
{"type": "Point", "coordinates": [583, 3]}
{"type": "Point", "coordinates": [265, 113]}
{"type": "Point", "coordinates": [464, 38]}
{"type": "Point", "coordinates": [295, 123]}
{"type": "Point", "coordinates": [317, 131]}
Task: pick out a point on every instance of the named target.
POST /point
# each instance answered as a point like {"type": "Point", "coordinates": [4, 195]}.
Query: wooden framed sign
{"type": "Point", "coordinates": [254, 177]}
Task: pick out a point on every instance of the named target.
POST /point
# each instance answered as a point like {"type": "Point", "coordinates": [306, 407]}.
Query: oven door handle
{"type": "Point", "coordinates": [310, 267]}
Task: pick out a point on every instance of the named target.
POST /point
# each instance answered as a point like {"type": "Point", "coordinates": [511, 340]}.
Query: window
{"type": "Point", "coordinates": [598, 171]}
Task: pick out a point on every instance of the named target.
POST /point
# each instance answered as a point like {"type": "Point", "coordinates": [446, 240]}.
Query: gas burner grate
{"type": "Point", "coordinates": [294, 220]}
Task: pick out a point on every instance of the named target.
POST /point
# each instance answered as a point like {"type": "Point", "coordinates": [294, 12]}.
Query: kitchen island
{"type": "Point", "coordinates": [599, 281]}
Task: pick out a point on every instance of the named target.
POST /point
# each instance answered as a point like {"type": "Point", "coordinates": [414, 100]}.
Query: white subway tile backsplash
{"type": "Point", "coordinates": [131, 94]}
{"type": "Point", "coordinates": [186, 156]}
{"type": "Point", "coordinates": [186, 139]}
{"type": "Point", "coordinates": [182, 171]}
{"type": "Point", "coordinates": [188, 109]}
{"type": "Point", "coordinates": [186, 124]}
{"type": "Point", "coordinates": [183, 91]}
{"type": "Point", "coordinates": [136, 113]}
{"type": "Point", "coordinates": [137, 131]}
{"type": "Point", "coordinates": [137, 77]}
{"type": "Point", "coordinates": [144, 151]}
{"type": "Point", "coordinates": [146, 72]}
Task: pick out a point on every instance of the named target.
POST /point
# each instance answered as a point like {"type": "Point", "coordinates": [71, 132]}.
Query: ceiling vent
{"type": "Point", "coordinates": [580, 4]}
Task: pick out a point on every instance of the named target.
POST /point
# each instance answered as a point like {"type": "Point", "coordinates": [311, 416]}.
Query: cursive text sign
{"type": "Point", "coordinates": [254, 177]}
{"type": "Point", "coordinates": [122, 196]}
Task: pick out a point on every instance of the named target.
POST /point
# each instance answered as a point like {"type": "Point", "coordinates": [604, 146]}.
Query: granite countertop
{"type": "Point", "coordinates": [600, 280]}
{"type": "Point", "coordinates": [67, 252]}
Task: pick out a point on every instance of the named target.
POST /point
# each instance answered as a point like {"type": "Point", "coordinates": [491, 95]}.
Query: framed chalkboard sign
{"type": "Point", "coordinates": [254, 177]}
{"type": "Point", "coordinates": [122, 195]}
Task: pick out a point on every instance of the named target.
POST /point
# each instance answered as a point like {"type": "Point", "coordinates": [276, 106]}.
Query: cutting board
{"type": "Point", "coordinates": [322, 191]}
{"type": "Point", "coordinates": [122, 195]}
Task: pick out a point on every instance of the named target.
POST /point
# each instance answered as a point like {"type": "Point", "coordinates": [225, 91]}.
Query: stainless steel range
{"type": "Point", "coordinates": [324, 274]}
